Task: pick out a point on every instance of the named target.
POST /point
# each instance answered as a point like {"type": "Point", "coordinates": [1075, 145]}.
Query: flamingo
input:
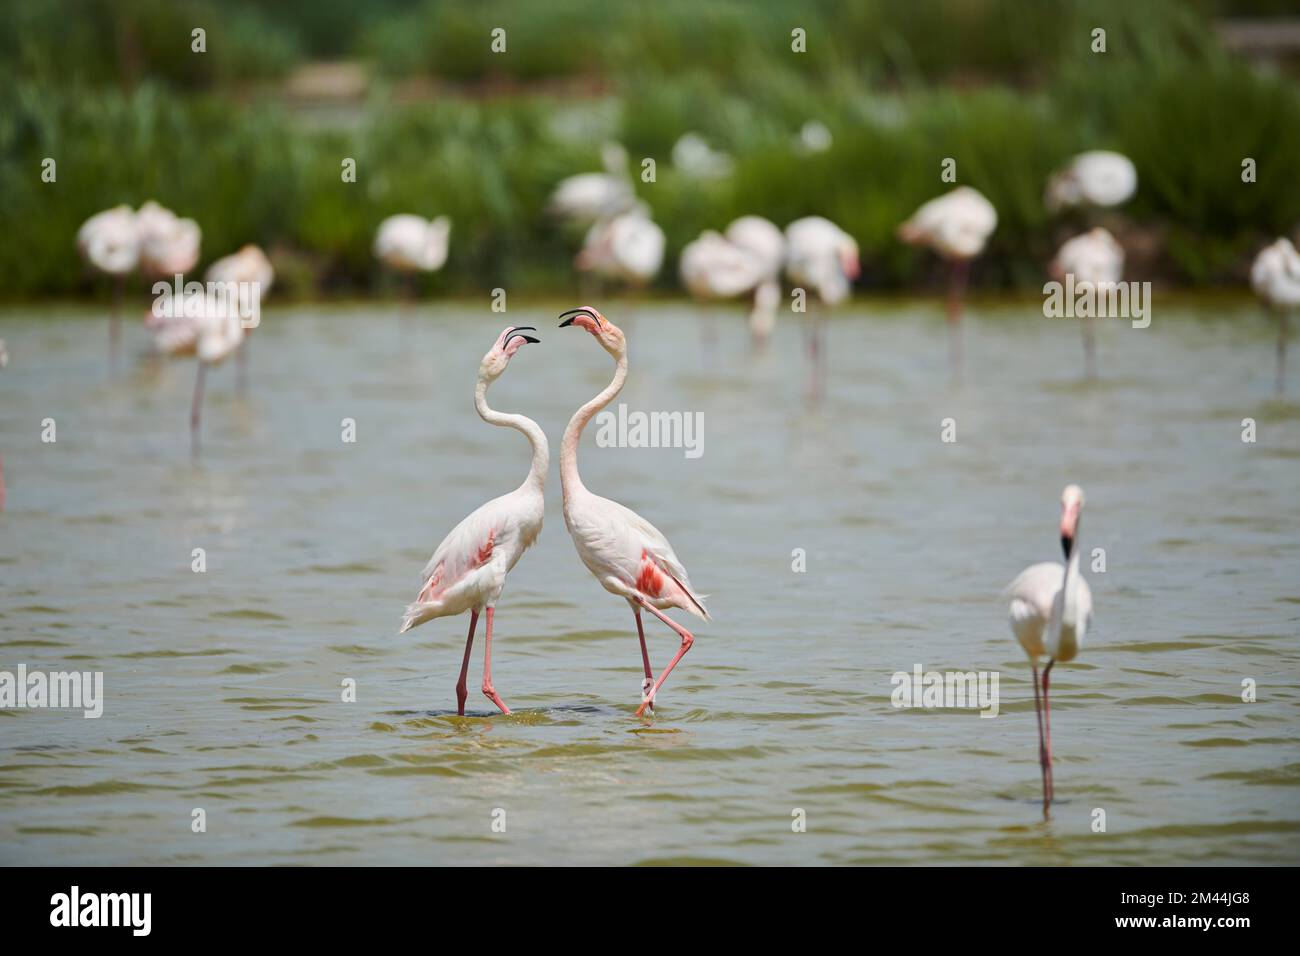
{"type": "Point", "coordinates": [1096, 178]}
{"type": "Point", "coordinates": [169, 245]}
{"type": "Point", "coordinates": [1097, 258]}
{"type": "Point", "coordinates": [694, 157]}
{"type": "Point", "coordinates": [719, 267]}
{"type": "Point", "coordinates": [248, 268]}
{"type": "Point", "coordinates": [110, 242]}
{"type": "Point", "coordinates": [217, 331]}
{"type": "Point", "coordinates": [628, 555]}
{"type": "Point", "coordinates": [408, 244]}
{"type": "Point", "coordinates": [956, 225]}
{"type": "Point", "coordinates": [821, 257]}
{"type": "Point", "coordinates": [1051, 611]}
{"type": "Point", "coordinates": [1275, 276]}
{"type": "Point", "coordinates": [627, 248]}
{"type": "Point", "coordinates": [589, 197]}
{"type": "Point", "coordinates": [468, 570]}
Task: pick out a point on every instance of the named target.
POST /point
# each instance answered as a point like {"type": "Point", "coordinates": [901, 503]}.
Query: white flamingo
{"type": "Point", "coordinates": [822, 259]}
{"type": "Point", "coordinates": [169, 245]}
{"type": "Point", "coordinates": [746, 261]}
{"type": "Point", "coordinates": [409, 244]}
{"type": "Point", "coordinates": [1097, 258]}
{"type": "Point", "coordinates": [628, 555]}
{"type": "Point", "coordinates": [628, 248]}
{"type": "Point", "coordinates": [468, 570]}
{"type": "Point", "coordinates": [248, 269]}
{"type": "Point", "coordinates": [956, 225]}
{"type": "Point", "coordinates": [1096, 178]}
{"type": "Point", "coordinates": [589, 197]}
{"type": "Point", "coordinates": [1051, 611]}
{"type": "Point", "coordinates": [694, 157]}
{"type": "Point", "coordinates": [109, 242]}
{"type": "Point", "coordinates": [217, 333]}
{"type": "Point", "coordinates": [1275, 277]}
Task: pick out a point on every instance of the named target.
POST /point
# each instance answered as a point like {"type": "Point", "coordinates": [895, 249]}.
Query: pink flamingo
{"type": "Point", "coordinates": [1051, 610]}
{"type": "Point", "coordinates": [956, 225]}
{"type": "Point", "coordinates": [628, 555]}
{"type": "Point", "coordinates": [468, 570]}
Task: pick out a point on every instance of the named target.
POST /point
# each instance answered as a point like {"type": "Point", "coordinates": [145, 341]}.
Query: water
{"type": "Point", "coordinates": [223, 689]}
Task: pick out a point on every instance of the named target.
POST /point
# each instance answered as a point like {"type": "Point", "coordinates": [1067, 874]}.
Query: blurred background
{"type": "Point", "coordinates": [248, 137]}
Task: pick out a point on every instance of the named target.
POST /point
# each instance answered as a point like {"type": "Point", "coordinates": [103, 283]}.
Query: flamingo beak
{"type": "Point", "coordinates": [1069, 526]}
{"type": "Point", "coordinates": [518, 332]}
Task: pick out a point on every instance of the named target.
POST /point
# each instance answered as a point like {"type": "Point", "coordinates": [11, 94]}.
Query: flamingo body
{"type": "Point", "coordinates": [956, 225]}
{"type": "Point", "coordinates": [1275, 275]}
{"type": "Point", "coordinates": [110, 241]}
{"type": "Point", "coordinates": [1097, 178]}
{"type": "Point", "coordinates": [628, 248]}
{"type": "Point", "coordinates": [410, 243]}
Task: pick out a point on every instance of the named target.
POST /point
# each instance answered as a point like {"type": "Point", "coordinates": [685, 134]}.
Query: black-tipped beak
{"type": "Point", "coordinates": [574, 313]}
{"type": "Point", "coordinates": [1067, 545]}
{"type": "Point", "coordinates": [519, 332]}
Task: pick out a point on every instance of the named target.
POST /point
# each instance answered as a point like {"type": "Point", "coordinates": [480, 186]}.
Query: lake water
{"type": "Point", "coordinates": [223, 689]}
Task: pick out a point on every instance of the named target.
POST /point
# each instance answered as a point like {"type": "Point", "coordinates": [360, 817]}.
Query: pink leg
{"type": "Point", "coordinates": [196, 409]}
{"type": "Point", "coordinates": [687, 641]}
{"type": "Point", "coordinates": [649, 680]}
{"type": "Point", "coordinates": [461, 691]}
{"type": "Point", "coordinates": [1042, 751]}
{"type": "Point", "coordinates": [488, 690]}
{"type": "Point", "coordinates": [1047, 729]}
{"type": "Point", "coordinates": [956, 297]}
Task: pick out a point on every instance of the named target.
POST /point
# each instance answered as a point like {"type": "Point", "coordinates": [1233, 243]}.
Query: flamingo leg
{"type": "Point", "coordinates": [115, 323]}
{"type": "Point", "coordinates": [956, 298]}
{"type": "Point", "coordinates": [1281, 350]}
{"type": "Point", "coordinates": [1042, 750]}
{"type": "Point", "coordinates": [241, 361]}
{"type": "Point", "coordinates": [687, 641]}
{"type": "Point", "coordinates": [649, 679]}
{"type": "Point", "coordinates": [196, 409]}
{"type": "Point", "coordinates": [461, 691]}
{"type": "Point", "coordinates": [488, 690]}
{"type": "Point", "coordinates": [1047, 729]}
{"type": "Point", "coordinates": [1089, 349]}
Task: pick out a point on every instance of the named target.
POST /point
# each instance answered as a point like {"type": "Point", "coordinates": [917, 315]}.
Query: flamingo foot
{"type": "Point", "coordinates": [647, 701]}
{"type": "Point", "coordinates": [491, 694]}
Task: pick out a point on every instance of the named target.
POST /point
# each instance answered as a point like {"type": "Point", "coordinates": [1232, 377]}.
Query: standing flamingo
{"type": "Point", "coordinates": [956, 225]}
{"type": "Point", "coordinates": [217, 332]}
{"type": "Point", "coordinates": [717, 267]}
{"type": "Point", "coordinates": [1055, 599]}
{"type": "Point", "coordinates": [823, 258]}
{"type": "Point", "coordinates": [626, 554]}
{"type": "Point", "coordinates": [1095, 178]}
{"type": "Point", "coordinates": [588, 197]}
{"type": "Point", "coordinates": [468, 570]}
{"type": "Point", "coordinates": [169, 245]}
{"type": "Point", "coordinates": [628, 248]}
{"type": "Point", "coordinates": [1275, 276]}
{"type": "Point", "coordinates": [1096, 258]}
{"type": "Point", "coordinates": [252, 274]}
{"type": "Point", "coordinates": [408, 244]}
{"type": "Point", "coordinates": [110, 242]}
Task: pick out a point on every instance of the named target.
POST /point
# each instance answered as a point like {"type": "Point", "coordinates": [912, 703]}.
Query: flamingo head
{"type": "Point", "coordinates": [609, 335]}
{"type": "Point", "coordinates": [849, 259]}
{"type": "Point", "coordinates": [510, 341]}
{"type": "Point", "coordinates": [1071, 506]}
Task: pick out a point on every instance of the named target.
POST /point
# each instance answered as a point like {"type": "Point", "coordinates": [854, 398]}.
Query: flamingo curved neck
{"type": "Point", "coordinates": [570, 480]}
{"type": "Point", "coordinates": [532, 431]}
{"type": "Point", "coordinates": [1070, 587]}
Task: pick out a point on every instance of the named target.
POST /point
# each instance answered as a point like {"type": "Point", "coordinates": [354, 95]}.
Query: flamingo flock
{"type": "Point", "coordinates": [1050, 603]}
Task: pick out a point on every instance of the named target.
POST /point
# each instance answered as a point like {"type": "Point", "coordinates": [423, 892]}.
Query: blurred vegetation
{"type": "Point", "coordinates": [1009, 88]}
